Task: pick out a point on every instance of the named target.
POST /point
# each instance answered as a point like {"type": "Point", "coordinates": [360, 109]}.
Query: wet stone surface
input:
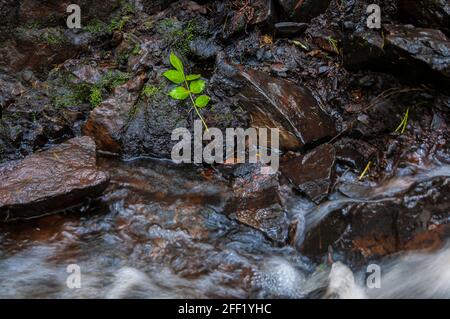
{"type": "Point", "coordinates": [50, 181]}
{"type": "Point", "coordinates": [312, 173]}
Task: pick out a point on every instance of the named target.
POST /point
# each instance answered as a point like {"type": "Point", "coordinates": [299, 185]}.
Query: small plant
{"type": "Point", "coordinates": [334, 44]}
{"type": "Point", "coordinates": [191, 84]}
{"type": "Point", "coordinates": [402, 127]}
{"type": "Point", "coordinates": [301, 44]}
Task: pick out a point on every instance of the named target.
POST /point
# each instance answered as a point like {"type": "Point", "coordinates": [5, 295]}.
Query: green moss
{"type": "Point", "coordinates": [96, 96]}
{"type": "Point", "coordinates": [113, 79]}
{"type": "Point", "coordinates": [117, 24]}
{"type": "Point", "coordinates": [128, 8]}
{"type": "Point", "coordinates": [149, 24]}
{"type": "Point", "coordinates": [53, 37]}
{"type": "Point", "coordinates": [72, 94]}
{"type": "Point", "coordinates": [32, 25]}
{"type": "Point", "coordinates": [122, 58]}
{"type": "Point", "coordinates": [97, 27]}
{"type": "Point", "coordinates": [136, 49]}
{"type": "Point", "coordinates": [150, 90]}
{"type": "Point", "coordinates": [178, 35]}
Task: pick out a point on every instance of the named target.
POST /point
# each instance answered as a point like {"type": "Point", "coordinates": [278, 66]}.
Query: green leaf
{"type": "Point", "coordinates": [176, 63]}
{"type": "Point", "coordinates": [175, 76]}
{"type": "Point", "coordinates": [202, 101]}
{"type": "Point", "coordinates": [192, 77]}
{"type": "Point", "coordinates": [197, 87]}
{"type": "Point", "coordinates": [179, 93]}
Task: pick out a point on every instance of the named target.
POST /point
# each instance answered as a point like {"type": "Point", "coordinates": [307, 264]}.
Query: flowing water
{"type": "Point", "coordinates": [159, 232]}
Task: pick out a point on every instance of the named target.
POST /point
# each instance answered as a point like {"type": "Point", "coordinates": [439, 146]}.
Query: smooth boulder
{"type": "Point", "coordinates": [51, 181]}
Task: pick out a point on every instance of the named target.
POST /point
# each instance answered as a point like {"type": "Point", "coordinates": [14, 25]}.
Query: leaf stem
{"type": "Point", "coordinates": [193, 104]}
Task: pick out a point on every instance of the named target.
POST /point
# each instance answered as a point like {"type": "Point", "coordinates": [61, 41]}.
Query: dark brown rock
{"type": "Point", "coordinates": [412, 53]}
{"type": "Point", "coordinates": [312, 173]}
{"type": "Point", "coordinates": [277, 103]}
{"type": "Point", "coordinates": [51, 181]}
{"type": "Point", "coordinates": [107, 122]}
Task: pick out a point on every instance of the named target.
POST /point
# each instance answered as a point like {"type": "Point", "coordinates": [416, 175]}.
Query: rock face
{"type": "Point", "coordinates": [304, 10]}
{"type": "Point", "coordinates": [277, 103]}
{"type": "Point", "coordinates": [417, 52]}
{"type": "Point", "coordinates": [312, 173]}
{"type": "Point", "coordinates": [50, 181]}
{"type": "Point", "coordinates": [257, 202]}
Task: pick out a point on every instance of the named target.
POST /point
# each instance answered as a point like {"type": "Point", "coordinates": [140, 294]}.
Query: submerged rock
{"type": "Point", "coordinates": [312, 173]}
{"type": "Point", "coordinates": [257, 202]}
{"type": "Point", "coordinates": [411, 220]}
{"type": "Point", "coordinates": [50, 181]}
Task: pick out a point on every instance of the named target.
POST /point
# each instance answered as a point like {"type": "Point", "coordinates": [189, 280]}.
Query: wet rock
{"type": "Point", "coordinates": [152, 6]}
{"type": "Point", "coordinates": [429, 46]}
{"type": "Point", "coordinates": [53, 12]}
{"type": "Point", "coordinates": [47, 182]}
{"type": "Point", "coordinates": [289, 29]}
{"type": "Point", "coordinates": [30, 120]}
{"type": "Point", "coordinates": [426, 13]}
{"type": "Point", "coordinates": [417, 219]}
{"type": "Point", "coordinates": [257, 202]}
{"type": "Point", "coordinates": [304, 10]}
{"type": "Point", "coordinates": [204, 49]}
{"type": "Point", "coordinates": [354, 153]}
{"type": "Point", "coordinates": [419, 53]}
{"type": "Point", "coordinates": [248, 13]}
{"type": "Point", "coordinates": [107, 121]}
{"type": "Point", "coordinates": [278, 103]}
{"type": "Point", "coordinates": [38, 50]}
{"type": "Point", "coordinates": [312, 173]}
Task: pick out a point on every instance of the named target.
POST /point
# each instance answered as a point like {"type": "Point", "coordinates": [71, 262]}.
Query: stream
{"type": "Point", "coordinates": [159, 232]}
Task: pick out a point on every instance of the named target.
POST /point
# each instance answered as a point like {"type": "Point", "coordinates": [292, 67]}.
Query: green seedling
{"type": "Point", "coordinates": [402, 126]}
{"type": "Point", "coordinates": [300, 44]}
{"type": "Point", "coordinates": [363, 174]}
{"type": "Point", "coordinates": [191, 85]}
